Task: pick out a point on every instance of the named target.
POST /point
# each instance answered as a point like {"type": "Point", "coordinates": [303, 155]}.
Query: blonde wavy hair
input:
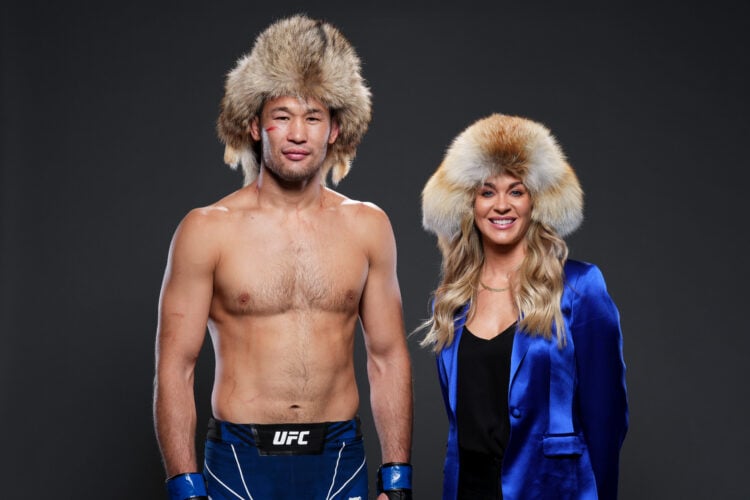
{"type": "Point", "coordinates": [536, 289]}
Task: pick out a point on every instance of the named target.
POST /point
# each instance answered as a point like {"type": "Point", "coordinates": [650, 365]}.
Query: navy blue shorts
{"type": "Point", "coordinates": [268, 462]}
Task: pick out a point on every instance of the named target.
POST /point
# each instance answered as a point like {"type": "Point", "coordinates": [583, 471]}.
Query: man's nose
{"type": "Point", "coordinates": [296, 131]}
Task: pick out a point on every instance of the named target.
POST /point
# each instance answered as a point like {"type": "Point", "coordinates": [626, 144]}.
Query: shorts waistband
{"type": "Point", "coordinates": [248, 434]}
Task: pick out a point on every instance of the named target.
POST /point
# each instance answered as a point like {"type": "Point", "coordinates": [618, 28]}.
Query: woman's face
{"type": "Point", "coordinates": [502, 211]}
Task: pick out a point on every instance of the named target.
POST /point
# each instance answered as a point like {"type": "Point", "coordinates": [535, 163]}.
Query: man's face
{"type": "Point", "coordinates": [295, 135]}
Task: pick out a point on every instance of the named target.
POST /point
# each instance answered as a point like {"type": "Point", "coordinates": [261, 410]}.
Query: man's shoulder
{"type": "Point", "coordinates": [203, 218]}
{"type": "Point", "coordinates": [357, 208]}
{"type": "Point", "coordinates": [369, 221]}
{"type": "Point", "coordinates": [219, 212]}
{"type": "Point", "coordinates": [368, 224]}
{"type": "Point", "coordinates": [202, 225]}
{"type": "Point", "coordinates": [199, 230]}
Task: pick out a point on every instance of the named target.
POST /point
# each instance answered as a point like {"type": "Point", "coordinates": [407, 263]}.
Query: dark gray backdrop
{"type": "Point", "coordinates": [107, 140]}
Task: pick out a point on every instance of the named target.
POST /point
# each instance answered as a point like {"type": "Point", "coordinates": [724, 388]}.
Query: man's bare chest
{"type": "Point", "coordinates": [282, 274]}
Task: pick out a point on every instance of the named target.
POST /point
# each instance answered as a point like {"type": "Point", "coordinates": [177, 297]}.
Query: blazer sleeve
{"type": "Point", "coordinates": [601, 390]}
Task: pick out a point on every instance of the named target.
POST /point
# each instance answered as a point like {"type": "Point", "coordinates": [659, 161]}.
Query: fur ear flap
{"type": "Point", "coordinates": [444, 203]}
{"type": "Point", "coordinates": [300, 57]}
{"type": "Point", "coordinates": [497, 144]}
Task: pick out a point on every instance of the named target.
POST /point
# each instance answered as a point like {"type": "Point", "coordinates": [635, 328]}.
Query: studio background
{"type": "Point", "coordinates": [107, 140]}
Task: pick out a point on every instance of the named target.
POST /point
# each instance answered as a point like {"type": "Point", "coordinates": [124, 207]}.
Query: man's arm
{"type": "Point", "coordinates": [183, 313]}
{"type": "Point", "coordinates": [388, 364]}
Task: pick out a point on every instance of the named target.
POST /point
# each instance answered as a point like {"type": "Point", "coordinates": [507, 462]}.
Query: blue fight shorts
{"type": "Point", "coordinates": [321, 461]}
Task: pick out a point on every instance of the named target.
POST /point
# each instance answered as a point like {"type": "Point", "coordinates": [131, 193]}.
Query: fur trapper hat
{"type": "Point", "coordinates": [299, 57]}
{"type": "Point", "coordinates": [503, 144]}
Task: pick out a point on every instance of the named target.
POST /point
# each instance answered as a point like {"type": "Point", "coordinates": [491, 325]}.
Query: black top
{"type": "Point", "coordinates": [482, 392]}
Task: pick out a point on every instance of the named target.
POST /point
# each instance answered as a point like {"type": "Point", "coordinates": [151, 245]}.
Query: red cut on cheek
{"type": "Point", "coordinates": [271, 128]}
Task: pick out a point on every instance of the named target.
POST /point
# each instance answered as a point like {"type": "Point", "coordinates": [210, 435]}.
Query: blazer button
{"type": "Point", "coordinates": [516, 413]}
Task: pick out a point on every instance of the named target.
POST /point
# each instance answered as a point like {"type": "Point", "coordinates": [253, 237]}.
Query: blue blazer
{"type": "Point", "coordinates": [568, 407]}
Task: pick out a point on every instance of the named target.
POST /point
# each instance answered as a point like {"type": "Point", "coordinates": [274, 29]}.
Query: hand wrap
{"type": "Point", "coordinates": [394, 479]}
{"type": "Point", "coordinates": [186, 486]}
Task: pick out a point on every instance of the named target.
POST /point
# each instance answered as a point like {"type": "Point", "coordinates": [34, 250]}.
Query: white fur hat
{"type": "Point", "coordinates": [494, 145]}
{"type": "Point", "coordinates": [299, 57]}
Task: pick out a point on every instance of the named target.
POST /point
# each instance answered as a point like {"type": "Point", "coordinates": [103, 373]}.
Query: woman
{"type": "Point", "coordinates": [528, 343]}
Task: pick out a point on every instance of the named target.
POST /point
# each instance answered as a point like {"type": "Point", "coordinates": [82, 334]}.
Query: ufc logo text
{"type": "Point", "coordinates": [289, 437]}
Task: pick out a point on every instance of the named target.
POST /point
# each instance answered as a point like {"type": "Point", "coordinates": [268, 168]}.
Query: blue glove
{"type": "Point", "coordinates": [189, 485]}
{"type": "Point", "coordinates": [394, 479]}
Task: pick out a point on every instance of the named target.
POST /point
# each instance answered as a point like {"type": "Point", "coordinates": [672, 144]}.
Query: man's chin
{"type": "Point", "coordinates": [294, 176]}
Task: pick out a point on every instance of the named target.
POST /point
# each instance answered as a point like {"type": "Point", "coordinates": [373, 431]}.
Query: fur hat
{"type": "Point", "coordinates": [503, 144]}
{"type": "Point", "coordinates": [300, 57]}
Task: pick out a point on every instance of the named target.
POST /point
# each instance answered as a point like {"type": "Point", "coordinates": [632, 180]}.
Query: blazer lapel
{"type": "Point", "coordinates": [449, 356]}
{"type": "Point", "coordinates": [521, 343]}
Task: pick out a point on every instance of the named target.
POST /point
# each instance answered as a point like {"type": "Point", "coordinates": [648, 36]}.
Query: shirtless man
{"type": "Point", "coordinates": [281, 271]}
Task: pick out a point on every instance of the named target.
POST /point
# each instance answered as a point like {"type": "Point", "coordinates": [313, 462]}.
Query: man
{"type": "Point", "coordinates": [280, 271]}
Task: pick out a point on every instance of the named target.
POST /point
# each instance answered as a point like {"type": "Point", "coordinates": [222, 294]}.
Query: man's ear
{"type": "Point", "coordinates": [334, 131]}
{"type": "Point", "coordinates": [254, 128]}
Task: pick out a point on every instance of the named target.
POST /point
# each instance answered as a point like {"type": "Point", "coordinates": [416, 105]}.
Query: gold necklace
{"type": "Point", "coordinates": [490, 289]}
